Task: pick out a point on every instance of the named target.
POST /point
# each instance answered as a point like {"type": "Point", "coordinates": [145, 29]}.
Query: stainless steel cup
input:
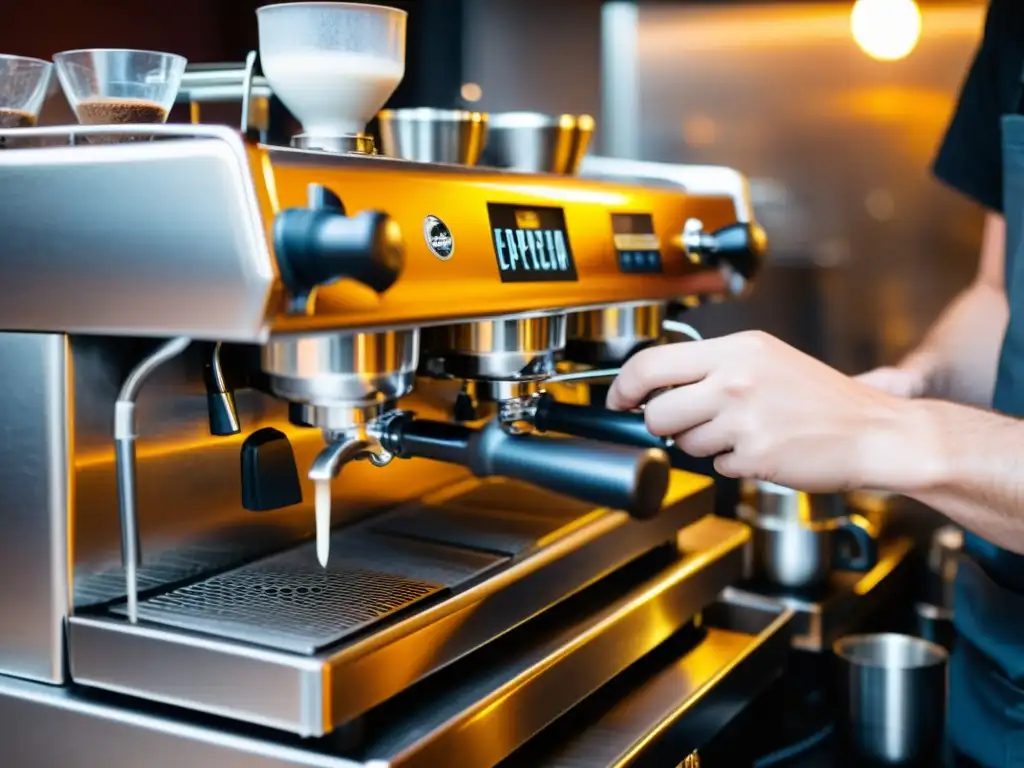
{"type": "Point", "coordinates": [538, 143]}
{"type": "Point", "coordinates": [427, 135]}
{"type": "Point", "coordinates": [799, 538]}
{"type": "Point", "coordinates": [892, 698]}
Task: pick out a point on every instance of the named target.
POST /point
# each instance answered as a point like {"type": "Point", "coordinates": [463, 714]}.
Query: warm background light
{"type": "Point", "coordinates": [472, 92]}
{"type": "Point", "coordinates": [886, 30]}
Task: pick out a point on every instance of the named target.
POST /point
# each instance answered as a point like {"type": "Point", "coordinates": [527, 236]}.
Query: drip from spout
{"type": "Point", "coordinates": [327, 466]}
{"type": "Point", "coordinates": [323, 521]}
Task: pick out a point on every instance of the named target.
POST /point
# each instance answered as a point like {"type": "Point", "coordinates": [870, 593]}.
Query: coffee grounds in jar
{"type": "Point", "coordinates": [15, 118]}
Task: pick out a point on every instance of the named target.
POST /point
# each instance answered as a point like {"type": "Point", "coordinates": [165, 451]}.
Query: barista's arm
{"type": "Point", "coordinates": [957, 360]}
{"type": "Point", "coordinates": [964, 462]}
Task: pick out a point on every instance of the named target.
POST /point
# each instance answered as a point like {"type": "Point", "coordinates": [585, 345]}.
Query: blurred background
{"type": "Point", "coordinates": [834, 110]}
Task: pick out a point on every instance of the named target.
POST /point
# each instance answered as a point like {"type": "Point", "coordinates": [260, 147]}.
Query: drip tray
{"type": "Point", "coordinates": [289, 603]}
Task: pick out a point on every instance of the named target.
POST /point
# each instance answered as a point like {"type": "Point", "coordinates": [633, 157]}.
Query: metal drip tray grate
{"type": "Point", "coordinates": [288, 602]}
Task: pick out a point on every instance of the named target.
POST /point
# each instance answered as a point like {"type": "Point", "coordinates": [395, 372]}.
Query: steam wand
{"type": "Point", "coordinates": [220, 401]}
{"type": "Point", "coordinates": [124, 456]}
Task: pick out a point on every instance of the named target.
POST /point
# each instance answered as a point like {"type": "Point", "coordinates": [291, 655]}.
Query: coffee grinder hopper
{"type": "Point", "coordinates": [333, 65]}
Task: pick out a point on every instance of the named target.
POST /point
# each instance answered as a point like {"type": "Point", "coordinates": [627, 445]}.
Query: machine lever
{"type": "Point", "coordinates": [632, 479]}
{"type": "Point", "coordinates": [618, 427]}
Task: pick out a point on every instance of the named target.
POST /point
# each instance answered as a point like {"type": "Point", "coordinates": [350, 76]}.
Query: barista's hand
{"type": "Point", "coordinates": [768, 412]}
{"type": "Point", "coordinates": [900, 382]}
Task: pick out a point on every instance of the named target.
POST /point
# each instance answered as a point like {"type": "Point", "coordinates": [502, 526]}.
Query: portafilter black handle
{"type": "Point", "coordinates": [320, 244]}
{"type": "Point", "coordinates": [619, 427]}
{"type": "Point", "coordinates": [634, 480]}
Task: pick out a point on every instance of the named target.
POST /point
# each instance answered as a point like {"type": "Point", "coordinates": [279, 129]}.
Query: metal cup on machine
{"type": "Point", "coordinates": [427, 135]}
{"type": "Point", "coordinates": [538, 143]}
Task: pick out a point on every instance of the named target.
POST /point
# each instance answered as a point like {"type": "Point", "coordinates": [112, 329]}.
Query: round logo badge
{"type": "Point", "coordinates": [439, 238]}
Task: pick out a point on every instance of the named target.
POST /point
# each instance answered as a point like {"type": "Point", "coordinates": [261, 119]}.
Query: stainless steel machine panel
{"type": "Point", "coordinates": [207, 251]}
{"type": "Point", "coordinates": [35, 499]}
{"type": "Point", "coordinates": [59, 726]}
{"type": "Point", "coordinates": [515, 689]}
{"type": "Point", "coordinates": [671, 706]}
{"type": "Point", "coordinates": [261, 681]}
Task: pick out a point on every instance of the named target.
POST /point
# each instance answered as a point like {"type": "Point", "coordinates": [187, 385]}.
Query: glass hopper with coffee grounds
{"type": "Point", "coordinates": [119, 86]}
{"type": "Point", "coordinates": [23, 86]}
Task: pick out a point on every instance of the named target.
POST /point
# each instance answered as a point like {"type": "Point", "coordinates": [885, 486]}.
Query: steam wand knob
{"type": "Point", "coordinates": [738, 249]}
{"type": "Point", "coordinates": [319, 244]}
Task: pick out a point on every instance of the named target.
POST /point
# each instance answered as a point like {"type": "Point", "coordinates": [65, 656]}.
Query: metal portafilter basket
{"type": "Point", "coordinates": [538, 143]}
{"type": "Point", "coordinates": [426, 135]}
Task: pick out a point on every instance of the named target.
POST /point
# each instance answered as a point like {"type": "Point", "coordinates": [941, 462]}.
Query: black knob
{"type": "Point", "coordinates": [741, 246]}
{"type": "Point", "coordinates": [318, 245]}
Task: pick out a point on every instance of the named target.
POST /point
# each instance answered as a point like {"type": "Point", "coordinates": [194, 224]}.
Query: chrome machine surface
{"type": "Point", "coordinates": [274, 495]}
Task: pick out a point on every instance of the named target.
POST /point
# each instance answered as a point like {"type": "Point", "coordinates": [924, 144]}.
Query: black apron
{"type": "Point", "coordinates": [986, 718]}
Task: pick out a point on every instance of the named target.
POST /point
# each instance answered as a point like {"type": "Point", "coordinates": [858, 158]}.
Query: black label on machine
{"type": "Point", "coordinates": [531, 244]}
{"type": "Point", "coordinates": [636, 243]}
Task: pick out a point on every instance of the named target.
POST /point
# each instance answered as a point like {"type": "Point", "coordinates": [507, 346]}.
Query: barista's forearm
{"type": "Point", "coordinates": [957, 360]}
{"type": "Point", "coordinates": [965, 462]}
{"type": "Point", "coordinates": [959, 354]}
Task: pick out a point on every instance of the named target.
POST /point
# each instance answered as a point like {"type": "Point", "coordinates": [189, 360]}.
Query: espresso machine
{"type": "Point", "coordinates": [288, 476]}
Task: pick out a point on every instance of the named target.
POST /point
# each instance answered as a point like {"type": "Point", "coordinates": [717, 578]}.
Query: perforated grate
{"type": "Point", "coordinates": [289, 602]}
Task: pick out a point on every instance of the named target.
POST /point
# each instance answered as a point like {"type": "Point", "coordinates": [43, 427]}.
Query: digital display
{"type": "Point", "coordinates": [531, 244]}
{"type": "Point", "coordinates": [637, 245]}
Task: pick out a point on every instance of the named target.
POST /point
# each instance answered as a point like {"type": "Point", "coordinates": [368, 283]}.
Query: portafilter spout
{"type": "Point", "coordinates": [327, 466]}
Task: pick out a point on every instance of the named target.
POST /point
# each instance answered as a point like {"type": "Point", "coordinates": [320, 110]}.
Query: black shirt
{"type": "Point", "coordinates": [970, 158]}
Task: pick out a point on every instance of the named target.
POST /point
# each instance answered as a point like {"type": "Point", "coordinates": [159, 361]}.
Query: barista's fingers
{"type": "Point", "coordinates": [741, 464]}
{"type": "Point", "coordinates": [659, 367]}
{"type": "Point", "coordinates": [682, 408]}
{"type": "Point", "coordinates": [708, 439]}
{"type": "Point", "coordinates": [731, 465]}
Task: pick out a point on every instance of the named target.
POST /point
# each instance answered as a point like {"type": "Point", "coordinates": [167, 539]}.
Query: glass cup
{"type": "Point", "coordinates": [115, 86]}
{"type": "Point", "coordinates": [24, 83]}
